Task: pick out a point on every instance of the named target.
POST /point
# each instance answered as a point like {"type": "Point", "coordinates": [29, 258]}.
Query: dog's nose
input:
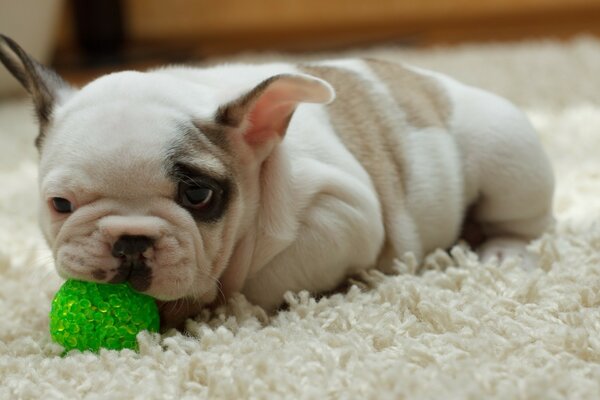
{"type": "Point", "coordinates": [129, 249]}
{"type": "Point", "coordinates": [129, 246]}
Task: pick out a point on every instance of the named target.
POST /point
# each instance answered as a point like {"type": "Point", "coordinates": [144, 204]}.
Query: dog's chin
{"type": "Point", "coordinates": [162, 285]}
{"type": "Point", "coordinates": [141, 284]}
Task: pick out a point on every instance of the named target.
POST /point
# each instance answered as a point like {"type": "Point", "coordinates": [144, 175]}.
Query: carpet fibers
{"type": "Point", "coordinates": [453, 328]}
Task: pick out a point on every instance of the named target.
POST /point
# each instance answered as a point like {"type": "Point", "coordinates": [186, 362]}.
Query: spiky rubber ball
{"type": "Point", "coordinates": [90, 316]}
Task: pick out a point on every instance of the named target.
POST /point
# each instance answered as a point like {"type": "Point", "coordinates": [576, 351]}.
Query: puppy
{"type": "Point", "coordinates": [189, 183]}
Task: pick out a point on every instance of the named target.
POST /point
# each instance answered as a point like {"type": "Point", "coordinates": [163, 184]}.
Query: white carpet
{"type": "Point", "coordinates": [459, 330]}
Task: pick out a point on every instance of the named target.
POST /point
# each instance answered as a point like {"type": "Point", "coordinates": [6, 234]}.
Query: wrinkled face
{"type": "Point", "coordinates": [135, 189]}
{"type": "Point", "coordinates": [155, 178]}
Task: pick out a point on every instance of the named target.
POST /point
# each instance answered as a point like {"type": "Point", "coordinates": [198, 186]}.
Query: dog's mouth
{"type": "Point", "coordinates": [135, 270]}
{"type": "Point", "coordinates": [159, 266]}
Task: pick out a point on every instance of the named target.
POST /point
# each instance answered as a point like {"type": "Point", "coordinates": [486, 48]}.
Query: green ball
{"type": "Point", "coordinates": [90, 316]}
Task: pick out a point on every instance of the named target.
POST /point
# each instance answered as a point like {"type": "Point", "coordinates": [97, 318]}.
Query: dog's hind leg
{"type": "Point", "coordinates": [507, 173]}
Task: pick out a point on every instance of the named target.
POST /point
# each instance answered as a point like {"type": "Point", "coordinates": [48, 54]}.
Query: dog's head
{"type": "Point", "coordinates": [152, 178]}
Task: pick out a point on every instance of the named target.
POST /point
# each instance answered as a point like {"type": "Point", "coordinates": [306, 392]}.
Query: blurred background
{"type": "Point", "coordinates": [83, 38]}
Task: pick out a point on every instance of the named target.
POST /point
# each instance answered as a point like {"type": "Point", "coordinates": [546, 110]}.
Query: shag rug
{"type": "Point", "coordinates": [452, 328]}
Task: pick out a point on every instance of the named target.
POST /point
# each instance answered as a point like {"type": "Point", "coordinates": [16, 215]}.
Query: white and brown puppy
{"type": "Point", "coordinates": [268, 178]}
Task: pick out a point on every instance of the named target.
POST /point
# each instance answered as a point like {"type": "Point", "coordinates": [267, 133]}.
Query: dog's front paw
{"type": "Point", "coordinates": [173, 314]}
{"type": "Point", "coordinates": [502, 248]}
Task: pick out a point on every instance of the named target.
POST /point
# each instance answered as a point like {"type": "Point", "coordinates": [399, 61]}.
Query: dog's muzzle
{"type": "Point", "coordinates": [133, 268]}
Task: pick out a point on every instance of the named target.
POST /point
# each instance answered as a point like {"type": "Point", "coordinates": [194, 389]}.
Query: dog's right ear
{"type": "Point", "coordinates": [44, 85]}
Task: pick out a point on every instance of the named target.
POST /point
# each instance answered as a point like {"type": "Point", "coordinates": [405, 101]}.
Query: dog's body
{"type": "Point", "coordinates": [180, 179]}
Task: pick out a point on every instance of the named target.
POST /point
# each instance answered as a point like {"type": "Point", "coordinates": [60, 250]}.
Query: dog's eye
{"type": "Point", "coordinates": [202, 195]}
{"type": "Point", "coordinates": [197, 197]}
{"type": "Point", "coordinates": [61, 205]}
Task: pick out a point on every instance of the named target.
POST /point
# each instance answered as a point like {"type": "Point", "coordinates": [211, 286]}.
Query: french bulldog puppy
{"type": "Point", "coordinates": [193, 183]}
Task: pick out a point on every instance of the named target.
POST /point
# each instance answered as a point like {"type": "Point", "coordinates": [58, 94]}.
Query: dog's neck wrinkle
{"type": "Point", "coordinates": [243, 257]}
{"type": "Point", "coordinates": [233, 277]}
{"type": "Point", "coordinates": [276, 220]}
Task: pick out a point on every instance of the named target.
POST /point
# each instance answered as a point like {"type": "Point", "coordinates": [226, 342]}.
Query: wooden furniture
{"type": "Point", "coordinates": [158, 31]}
{"type": "Point", "coordinates": [223, 26]}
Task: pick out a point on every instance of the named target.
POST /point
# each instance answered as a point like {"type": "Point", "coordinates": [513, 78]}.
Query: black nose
{"type": "Point", "coordinates": [131, 247]}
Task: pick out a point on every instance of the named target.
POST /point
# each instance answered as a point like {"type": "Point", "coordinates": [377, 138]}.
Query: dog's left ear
{"type": "Point", "coordinates": [44, 85]}
{"type": "Point", "coordinates": [262, 115]}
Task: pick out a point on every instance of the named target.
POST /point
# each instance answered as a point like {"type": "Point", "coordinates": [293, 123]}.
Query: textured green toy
{"type": "Point", "coordinates": [90, 316]}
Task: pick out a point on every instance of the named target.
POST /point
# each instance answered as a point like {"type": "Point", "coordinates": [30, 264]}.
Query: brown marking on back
{"type": "Point", "coordinates": [420, 96]}
{"type": "Point", "coordinates": [362, 127]}
{"type": "Point", "coordinates": [372, 134]}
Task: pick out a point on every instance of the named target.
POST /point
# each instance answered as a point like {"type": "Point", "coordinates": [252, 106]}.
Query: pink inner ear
{"type": "Point", "coordinates": [269, 116]}
{"type": "Point", "coordinates": [266, 111]}
{"type": "Point", "coordinates": [268, 120]}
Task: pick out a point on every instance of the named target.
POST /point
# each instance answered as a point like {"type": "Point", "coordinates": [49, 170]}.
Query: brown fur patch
{"type": "Point", "coordinates": [375, 130]}
{"type": "Point", "coordinates": [197, 139]}
{"type": "Point", "coordinates": [215, 133]}
{"type": "Point", "coordinates": [371, 134]}
{"type": "Point", "coordinates": [421, 98]}
{"type": "Point", "coordinates": [363, 129]}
